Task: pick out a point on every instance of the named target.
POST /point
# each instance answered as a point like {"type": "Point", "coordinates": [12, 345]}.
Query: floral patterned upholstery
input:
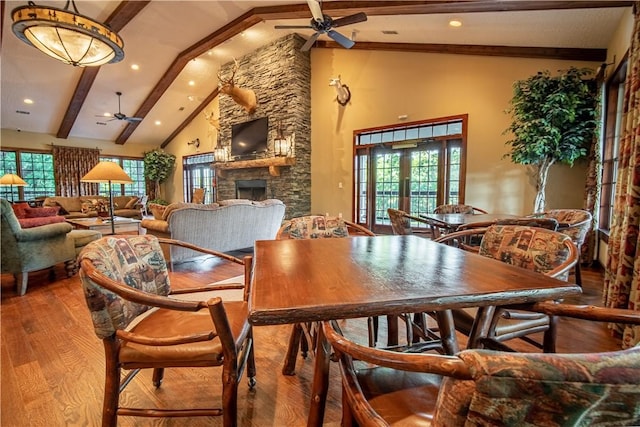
{"type": "Point", "coordinates": [136, 261]}
{"type": "Point", "coordinates": [575, 223]}
{"type": "Point", "coordinates": [317, 226]}
{"type": "Point", "coordinates": [527, 247]}
{"type": "Point", "coordinates": [544, 390]}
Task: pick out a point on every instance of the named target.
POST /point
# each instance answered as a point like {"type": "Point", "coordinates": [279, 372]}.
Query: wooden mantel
{"type": "Point", "coordinates": [273, 163]}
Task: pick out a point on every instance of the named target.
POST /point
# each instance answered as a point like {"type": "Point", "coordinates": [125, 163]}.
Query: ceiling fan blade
{"type": "Point", "coordinates": [351, 19]}
{"type": "Point", "coordinates": [310, 42]}
{"type": "Point", "coordinates": [288, 27]}
{"type": "Point", "coordinates": [340, 39]}
{"type": "Point", "coordinates": [133, 119]}
{"type": "Point", "coordinates": [316, 10]}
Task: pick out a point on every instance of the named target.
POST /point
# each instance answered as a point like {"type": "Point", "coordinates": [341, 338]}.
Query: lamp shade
{"type": "Point", "coordinates": [67, 36]}
{"type": "Point", "coordinates": [12, 179]}
{"type": "Point", "coordinates": [107, 172]}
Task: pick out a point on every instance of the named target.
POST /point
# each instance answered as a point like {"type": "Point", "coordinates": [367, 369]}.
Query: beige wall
{"type": "Point", "coordinates": [385, 85]}
{"type": "Point", "coordinates": [198, 128]}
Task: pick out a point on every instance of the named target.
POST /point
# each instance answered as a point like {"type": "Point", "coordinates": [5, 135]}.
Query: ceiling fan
{"type": "Point", "coordinates": [324, 24]}
{"type": "Point", "coordinates": [120, 116]}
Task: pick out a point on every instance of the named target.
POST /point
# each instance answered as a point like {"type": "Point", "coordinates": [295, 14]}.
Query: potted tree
{"type": "Point", "coordinates": [158, 165]}
{"type": "Point", "coordinates": [554, 120]}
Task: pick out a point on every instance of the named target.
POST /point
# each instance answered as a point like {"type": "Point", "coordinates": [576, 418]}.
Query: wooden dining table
{"type": "Point", "coordinates": [451, 221]}
{"type": "Point", "coordinates": [297, 281]}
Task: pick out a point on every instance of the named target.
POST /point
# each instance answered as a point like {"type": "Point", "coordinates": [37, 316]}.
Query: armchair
{"type": "Point", "coordinates": [25, 250]}
{"type": "Point", "coordinates": [123, 278]}
{"type": "Point", "coordinates": [484, 387]}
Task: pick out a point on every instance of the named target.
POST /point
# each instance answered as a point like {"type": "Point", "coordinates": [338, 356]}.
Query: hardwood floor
{"type": "Point", "coordinates": [53, 364]}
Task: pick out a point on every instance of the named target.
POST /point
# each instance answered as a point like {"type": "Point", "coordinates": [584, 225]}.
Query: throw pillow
{"type": "Point", "coordinates": [131, 203]}
{"type": "Point", "coordinates": [19, 209]}
{"type": "Point", "coordinates": [157, 210]}
{"type": "Point", "coordinates": [88, 207]}
{"type": "Point", "coordinates": [41, 212]}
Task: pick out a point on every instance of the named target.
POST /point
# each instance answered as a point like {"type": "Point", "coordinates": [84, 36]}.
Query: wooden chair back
{"type": "Point", "coordinates": [401, 223]}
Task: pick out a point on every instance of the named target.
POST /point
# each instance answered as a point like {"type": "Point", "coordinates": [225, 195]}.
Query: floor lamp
{"type": "Point", "coordinates": [12, 179]}
{"type": "Point", "coordinates": [108, 172]}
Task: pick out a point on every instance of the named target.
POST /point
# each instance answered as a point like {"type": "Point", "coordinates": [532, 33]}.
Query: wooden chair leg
{"type": "Point", "coordinates": [112, 385]}
{"type": "Point", "coordinates": [230, 394]}
{"type": "Point", "coordinates": [158, 375]}
{"type": "Point", "coordinates": [578, 274]}
{"type": "Point", "coordinates": [549, 337]}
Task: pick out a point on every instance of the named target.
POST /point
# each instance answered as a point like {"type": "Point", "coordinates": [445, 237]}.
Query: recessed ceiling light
{"type": "Point", "coordinates": [107, 114]}
{"type": "Point", "coordinates": [455, 23]}
{"type": "Point", "coordinates": [158, 122]}
{"type": "Point", "coordinates": [28, 101]}
{"type": "Point", "coordinates": [192, 83]}
{"type": "Point", "coordinates": [135, 67]}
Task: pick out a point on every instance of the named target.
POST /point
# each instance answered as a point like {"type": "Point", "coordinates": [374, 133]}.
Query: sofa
{"type": "Point", "coordinates": [29, 217]}
{"type": "Point", "coordinates": [88, 206]}
{"type": "Point", "coordinates": [229, 225]}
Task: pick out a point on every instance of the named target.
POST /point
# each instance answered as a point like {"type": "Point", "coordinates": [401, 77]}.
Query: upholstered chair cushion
{"type": "Point", "coordinates": [525, 247]}
{"type": "Point", "coordinates": [534, 389]}
{"type": "Point", "coordinates": [463, 209]}
{"type": "Point", "coordinates": [317, 226]}
{"type": "Point", "coordinates": [20, 209]}
{"type": "Point", "coordinates": [139, 263]}
{"type": "Point", "coordinates": [157, 210]}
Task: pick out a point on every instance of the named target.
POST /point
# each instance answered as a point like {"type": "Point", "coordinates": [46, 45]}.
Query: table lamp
{"type": "Point", "coordinates": [108, 172]}
{"type": "Point", "coordinates": [12, 179]}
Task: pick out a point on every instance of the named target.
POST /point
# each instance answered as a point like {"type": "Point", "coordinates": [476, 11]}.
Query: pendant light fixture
{"type": "Point", "coordinates": [66, 35]}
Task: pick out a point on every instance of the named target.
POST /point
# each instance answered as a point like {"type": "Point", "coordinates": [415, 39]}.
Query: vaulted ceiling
{"type": "Point", "coordinates": [179, 46]}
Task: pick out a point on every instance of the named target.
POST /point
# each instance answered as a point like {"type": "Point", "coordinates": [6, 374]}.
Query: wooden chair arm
{"type": "Point", "coordinates": [200, 249]}
{"type": "Point", "coordinates": [586, 312]}
{"type": "Point", "coordinates": [207, 288]}
{"type": "Point", "coordinates": [439, 364]}
{"type": "Point", "coordinates": [145, 340]}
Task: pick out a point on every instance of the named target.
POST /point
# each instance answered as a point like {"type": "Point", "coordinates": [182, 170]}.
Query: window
{"type": "Point", "coordinates": [413, 167]}
{"type": "Point", "coordinates": [197, 173]}
{"type": "Point", "coordinates": [135, 169]}
{"type": "Point", "coordinates": [35, 168]}
{"type": "Point", "coordinates": [614, 95]}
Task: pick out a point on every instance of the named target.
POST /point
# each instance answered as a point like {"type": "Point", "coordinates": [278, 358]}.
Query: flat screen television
{"type": "Point", "coordinates": [249, 138]}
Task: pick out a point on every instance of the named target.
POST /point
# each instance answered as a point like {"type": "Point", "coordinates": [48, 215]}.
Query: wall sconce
{"type": "Point", "coordinates": [281, 144]}
{"type": "Point", "coordinates": [343, 93]}
{"type": "Point", "coordinates": [195, 142]}
{"type": "Point", "coordinates": [220, 154]}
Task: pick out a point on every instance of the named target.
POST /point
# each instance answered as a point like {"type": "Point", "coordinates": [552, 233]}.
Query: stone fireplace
{"type": "Point", "coordinates": [252, 189]}
{"type": "Point", "coordinates": [280, 75]}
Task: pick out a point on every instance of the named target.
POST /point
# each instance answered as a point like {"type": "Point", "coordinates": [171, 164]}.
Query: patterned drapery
{"type": "Point", "coordinates": [622, 275]}
{"type": "Point", "coordinates": [70, 165]}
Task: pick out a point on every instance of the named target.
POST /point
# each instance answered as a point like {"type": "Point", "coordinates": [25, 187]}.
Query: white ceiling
{"type": "Point", "coordinates": [164, 29]}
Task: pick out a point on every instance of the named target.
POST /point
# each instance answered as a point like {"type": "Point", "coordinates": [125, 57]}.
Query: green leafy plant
{"type": "Point", "coordinates": [158, 165]}
{"type": "Point", "coordinates": [555, 120]}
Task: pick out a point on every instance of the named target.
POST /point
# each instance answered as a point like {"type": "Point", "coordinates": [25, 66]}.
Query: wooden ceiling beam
{"type": "Point", "coordinates": [120, 17]}
{"type": "Point", "coordinates": [573, 54]}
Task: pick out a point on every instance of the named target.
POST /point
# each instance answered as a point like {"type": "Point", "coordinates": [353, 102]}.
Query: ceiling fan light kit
{"type": "Point", "coordinates": [67, 35]}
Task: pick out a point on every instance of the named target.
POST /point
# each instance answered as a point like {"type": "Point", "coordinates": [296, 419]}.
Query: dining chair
{"type": "Point", "coordinates": [576, 224]}
{"type": "Point", "coordinates": [541, 250]}
{"type": "Point", "coordinates": [128, 291]}
{"type": "Point", "coordinates": [198, 195]}
{"type": "Point", "coordinates": [458, 208]}
{"type": "Point", "coordinates": [401, 223]}
{"type": "Point", "coordinates": [304, 335]}
{"type": "Point", "coordinates": [486, 387]}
